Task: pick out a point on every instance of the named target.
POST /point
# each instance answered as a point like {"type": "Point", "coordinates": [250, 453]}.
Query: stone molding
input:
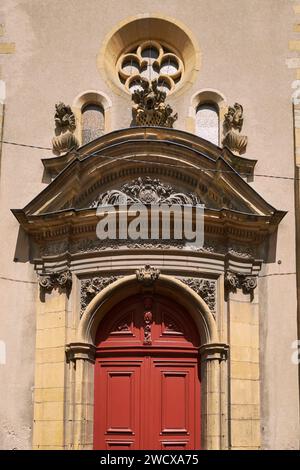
{"type": "Point", "coordinates": [84, 351]}
{"type": "Point", "coordinates": [214, 351]}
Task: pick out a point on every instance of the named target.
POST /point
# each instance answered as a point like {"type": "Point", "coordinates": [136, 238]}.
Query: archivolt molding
{"type": "Point", "coordinates": [164, 284]}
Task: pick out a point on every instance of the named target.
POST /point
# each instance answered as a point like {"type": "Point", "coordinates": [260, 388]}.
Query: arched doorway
{"type": "Point", "coordinates": [147, 377]}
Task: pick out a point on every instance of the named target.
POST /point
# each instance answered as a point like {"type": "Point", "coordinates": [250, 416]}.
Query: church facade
{"type": "Point", "coordinates": [149, 225]}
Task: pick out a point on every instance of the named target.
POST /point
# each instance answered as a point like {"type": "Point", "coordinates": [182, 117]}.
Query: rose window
{"type": "Point", "coordinates": [150, 60]}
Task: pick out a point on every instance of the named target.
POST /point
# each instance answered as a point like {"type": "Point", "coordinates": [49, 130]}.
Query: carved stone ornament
{"type": "Point", "coordinates": [145, 190]}
{"type": "Point", "coordinates": [234, 281]}
{"type": "Point", "coordinates": [91, 287]}
{"type": "Point", "coordinates": [65, 126]}
{"type": "Point", "coordinates": [55, 279]}
{"type": "Point", "coordinates": [148, 318]}
{"type": "Point", "coordinates": [149, 107]}
{"type": "Point", "coordinates": [233, 123]}
{"type": "Point", "coordinates": [147, 275]}
{"type": "Point", "coordinates": [205, 288]}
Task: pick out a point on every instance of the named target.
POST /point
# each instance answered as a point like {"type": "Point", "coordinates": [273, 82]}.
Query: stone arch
{"type": "Point", "coordinates": [166, 285]}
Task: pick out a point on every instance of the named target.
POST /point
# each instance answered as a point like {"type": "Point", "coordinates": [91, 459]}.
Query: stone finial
{"type": "Point", "coordinates": [149, 107]}
{"type": "Point", "coordinates": [65, 126]}
{"type": "Point", "coordinates": [147, 275]}
{"type": "Point", "coordinates": [233, 123]}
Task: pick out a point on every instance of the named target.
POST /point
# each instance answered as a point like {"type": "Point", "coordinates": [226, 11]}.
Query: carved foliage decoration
{"type": "Point", "coordinates": [234, 281]}
{"type": "Point", "coordinates": [206, 288]}
{"type": "Point", "coordinates": [147, 275]}
{"type": "Point", "coordinates": [65, 126]}
{"type": "Point", "coordinates": [233, 123]}
{"type": "Point", "coordinates": [149, 107]}
{"type": "Point", "coordinates": [56, 279]}
{"type": "Point", "coordinates": [146, 190]}
{"type": "Point", "coordinates": [91, 287]}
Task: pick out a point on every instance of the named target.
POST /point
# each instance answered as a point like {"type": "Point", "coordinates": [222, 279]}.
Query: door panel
{"type": "Point", "coordinates": [176, 394]}
{"type": "Point", "coordinates": [147, 385]}
{"type": "Point", "coordinates": [117, 418]}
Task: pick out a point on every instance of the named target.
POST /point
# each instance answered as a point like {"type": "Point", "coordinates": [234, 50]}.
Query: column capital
{"type": "Point", "coordinates": [84, 351]}
{"type": "Point", "coordinates": [214, 351]}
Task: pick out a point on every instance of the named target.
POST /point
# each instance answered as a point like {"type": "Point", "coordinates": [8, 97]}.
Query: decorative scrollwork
{"type": "Point", "coordinates": [234, 281]}
{"type": "Point", "coordinates": [146, 190]}
{"type": "Point", "coordinates": [55, 279]}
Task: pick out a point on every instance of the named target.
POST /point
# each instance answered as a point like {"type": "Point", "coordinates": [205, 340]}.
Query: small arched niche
{"type": "Point", "coordinates": [207, 122]}
{"type": "Point", "coordinates": [93, 122]}
{"type": "Point", "coordinates": [207, 110]}
{"type": "Point", "coordinates": [92, 110]}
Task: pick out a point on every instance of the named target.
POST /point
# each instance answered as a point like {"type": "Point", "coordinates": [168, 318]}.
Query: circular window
{"type": "Point", "coordinates": [150, 48]}
{"type": "Point", "coordinates": [150, 60]}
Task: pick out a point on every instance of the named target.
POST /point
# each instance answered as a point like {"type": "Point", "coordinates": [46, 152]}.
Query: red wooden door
{"type": "Point", "coordinates": [147, 382]}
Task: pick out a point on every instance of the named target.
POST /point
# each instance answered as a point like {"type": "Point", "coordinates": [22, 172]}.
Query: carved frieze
{"type": "Point", "coordinates": [65, 126]}
{"type": "Point", "coordinates": [233, 123]}
{"type": "Point", "coordinates": [53, 280]}
{"type": "Point", "coordinates": [88, 246]}
{"type": "Point", "coordinates": [205, 288]}
{"type": "Point", "coordinates": [149, 107]}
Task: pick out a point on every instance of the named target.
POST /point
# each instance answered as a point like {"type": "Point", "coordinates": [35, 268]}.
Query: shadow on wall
{"type": "Point", "coordinates": [23, 247]}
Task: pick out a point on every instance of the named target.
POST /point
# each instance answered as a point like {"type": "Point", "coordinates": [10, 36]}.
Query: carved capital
{"type": "Point", "coordinates": [234, 281]}
{"type": "Point", "coordinates": [231, 281]}
{"type": "Point", "coordinates": [214, 352]}
{"type": "Point", "coordinates": [84, 351]}
{"type": "Point", "coordinates": [147, 275]}
{"type": "Point", "coordinates": [56, 279]}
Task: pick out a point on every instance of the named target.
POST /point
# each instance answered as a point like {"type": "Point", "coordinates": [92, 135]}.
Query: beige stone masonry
{"type": "Point", "coordinates": [244, 372]}
{"type": "Point", "coordinates": [49, 396]}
